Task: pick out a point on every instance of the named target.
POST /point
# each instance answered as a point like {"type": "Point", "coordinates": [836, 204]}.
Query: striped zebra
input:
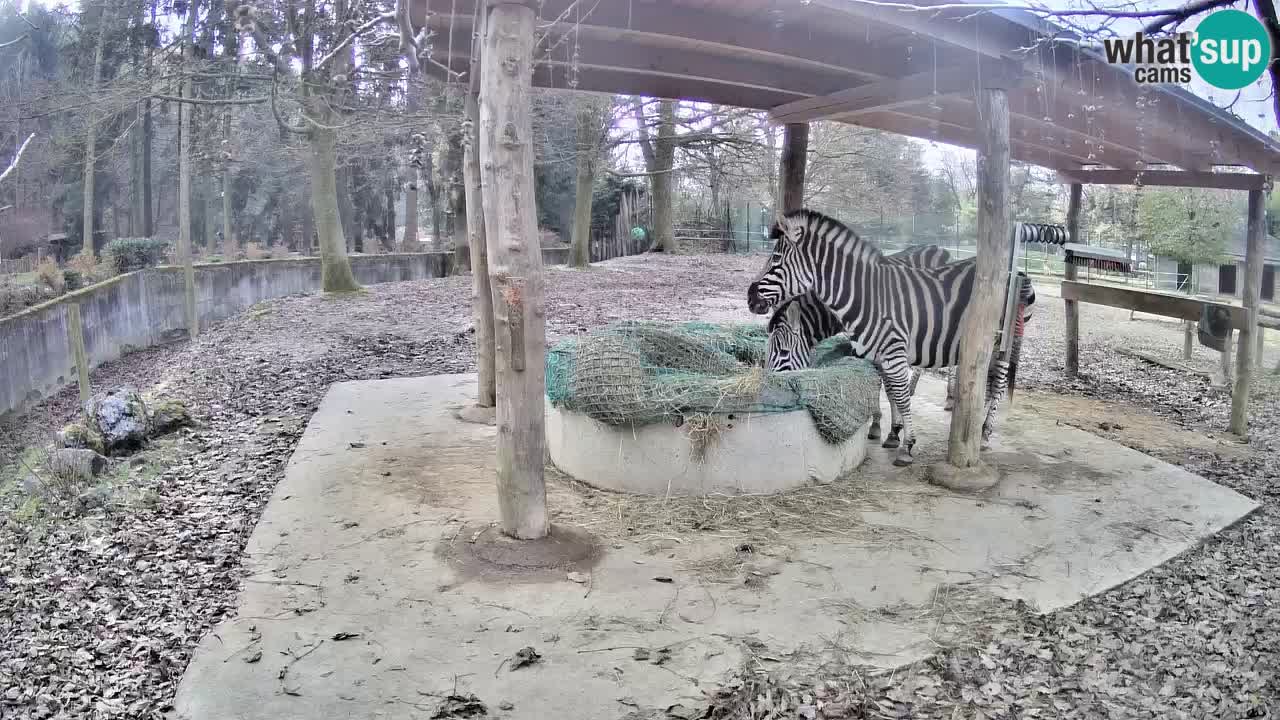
{"type": "Point", "coordinates": [900, 316]}
{"type": "Point", "coordinates": [799, 325]}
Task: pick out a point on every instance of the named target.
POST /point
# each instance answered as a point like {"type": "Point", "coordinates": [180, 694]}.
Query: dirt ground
{"type": "Point", "coordinates": [104, 608]}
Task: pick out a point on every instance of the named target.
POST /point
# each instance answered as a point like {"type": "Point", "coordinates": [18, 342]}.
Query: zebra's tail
{"type": "Point", "coordinates": [1015, 348]}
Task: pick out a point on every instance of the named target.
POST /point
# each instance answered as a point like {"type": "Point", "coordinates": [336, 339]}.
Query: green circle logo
{"type": "Point", "coordinates": [1232, 49]}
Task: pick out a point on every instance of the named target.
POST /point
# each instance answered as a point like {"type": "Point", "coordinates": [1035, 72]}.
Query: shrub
{"type": "Point", "coordinates": [90, 268]}
{"type": "Point", "coordinates": [129, 254]}
{"type": "Point", "coordinates": [51, 276]}
{"type": "Point", "coordinates": [15, 297]}
{"type": "Point", "coordinates": [72, 280]}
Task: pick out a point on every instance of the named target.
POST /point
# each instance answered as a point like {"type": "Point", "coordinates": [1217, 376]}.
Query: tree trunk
{"type": "Point", "coordinates": [659, 159]}
{"type": "Point", "coordinates": [795, 151]}
{"type": "Point", "coordinates": [1251, 297]}
{"type": "Point", "coordinates": [186, 112]}
{"type": "Point", "coordinates": [481, 294]}
{"type": "Point", "coordinates": [1072, 367]}
{"type": "Point", "coordinates": [515, 268]}
{"type": "Point", "coordinates": [335, 267]}
{"type": "Point", "coordinates": [409, 242]}
{"type": "Point", "coordinates": [456, 197]}
{"type": "Point", "coordinates": [230, 248]}
{"type": "Point", "coordinates": [978, 323]}
{"type": "Point", "coordinates": [589, 120]}
{"type": "Point", "coordinates": [148, 217]}
{"type": "Point", "coordinates": [91, 140]}
{"type": "Point", "coordinates": [346, 207]}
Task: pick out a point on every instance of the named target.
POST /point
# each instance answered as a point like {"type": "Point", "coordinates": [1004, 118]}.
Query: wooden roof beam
{"type": "Point", "coordinates": [896, 122]}
{"type": "Point", "coordinates": [1167, 178]}
{"type": "Point", "coordinates": [698, 28]}
{"type": "Point", "coordinates": [950, 30]}
{"type": "Point", "coordinates": [898, 92]}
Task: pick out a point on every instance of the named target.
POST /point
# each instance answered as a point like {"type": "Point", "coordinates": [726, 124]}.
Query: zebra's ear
{"type": "Point", "coordinates": [775, 233]}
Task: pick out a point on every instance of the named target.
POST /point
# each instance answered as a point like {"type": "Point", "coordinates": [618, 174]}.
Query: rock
{"type": "Point", "coordinates": [76, 464]}
{"type": "Point", "coordinates": [79, 436]}
{"type": "Point", "coordinates": [165, 416]}
{"type": "Point", "coordinates": [120, 417]}
{"type": "Point", "coordinates": [95, 497]}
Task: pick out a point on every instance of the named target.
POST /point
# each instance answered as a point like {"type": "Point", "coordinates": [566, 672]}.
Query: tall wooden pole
{"type": "Point", "coordinates": [481, 294]}
{"type": "Point", "coordinates": [1252, 297]}
{"type": "Point", "coordinates": [515, 266]}
{"type": "Point", "coordinates": [1072, 366]}
{"type": "Point", "coordinates": [978, 325]}
{"type": "Point", "coordinates": [795, 152]}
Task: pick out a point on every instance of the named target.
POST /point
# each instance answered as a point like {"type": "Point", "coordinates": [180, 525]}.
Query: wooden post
{"type": "Point", "coordinates": [515, 266]}
{"type": "Point", "coordinates": [75, 338]}
{"type": "Point", "coordinates": [795, 155]}
{"type": "Point", "coordinates": [1072, 366]}
{"type": "Point", "coordinates": [481, 294]}
{"type": "Point", "coordinates": [978, 324]}
{"type": "Point", "coordinates": [1262, 346]}
{"type": "Point", "coordinates": [1224, 359]}
{"type": "Point", "coordinates": [1252, 297]}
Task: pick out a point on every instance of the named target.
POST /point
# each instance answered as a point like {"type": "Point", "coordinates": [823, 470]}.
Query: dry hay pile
{"type": "Point", "coordinates": [636, 373]}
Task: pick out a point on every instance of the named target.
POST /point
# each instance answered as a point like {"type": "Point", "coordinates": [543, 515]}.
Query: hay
{"type": "Point", "coordinates": [831, 511]}
{"type": "Point", "coordinates": [637, 373]}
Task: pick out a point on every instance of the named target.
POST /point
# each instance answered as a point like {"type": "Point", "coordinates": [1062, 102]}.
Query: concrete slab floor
{"type": "Point", "coordinates": [358, 607]}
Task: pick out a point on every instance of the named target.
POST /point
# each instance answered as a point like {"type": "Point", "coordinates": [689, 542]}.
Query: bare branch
{"type": "Point", "coordinates": [14, 41]}
{"type": "Point", "coordinates": [408, 46]}
{"type": "Point", "coordinates": [1177, 16]}
{"type": "Point", "coordinates": [358, 31]}
{"type": "Point", "coordinates": [213, 101]}
{"type": "Point", "coordinates": [16, 158]}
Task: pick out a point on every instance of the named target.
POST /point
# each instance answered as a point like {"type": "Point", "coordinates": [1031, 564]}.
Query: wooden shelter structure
{"type": "Point", "coordinates": [1001, 81]}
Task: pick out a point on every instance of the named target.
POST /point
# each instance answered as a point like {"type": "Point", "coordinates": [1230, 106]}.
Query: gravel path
{"type": "Point", "coordinates": [101, 610]}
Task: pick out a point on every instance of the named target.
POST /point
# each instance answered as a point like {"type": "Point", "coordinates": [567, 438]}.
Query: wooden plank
{"type": "Point", "coordinates": [952, 134]}
{"type": "Point", "coordinates": [983, 312]}
{"type": "Point", "coordinates": [1251, 296]}
{"type": "Point", "coordinates": [1168, 178]}
{"type": "Point", "coordinates": [515, 268]}
{"type": "Point", "coordinates": [1072, 308]}
{"type": "Point", "coordinates": [1148, 301]}
{"type": "Point", "coordinates": [795, 149]}
{"type": "Point", "coordinates": [897, 92]}
{"type": "Point", "coordinates": [1155, 360]}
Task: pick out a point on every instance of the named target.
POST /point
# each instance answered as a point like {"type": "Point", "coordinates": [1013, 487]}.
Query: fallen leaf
{"type": "Point", "coordinates": [579, 577]}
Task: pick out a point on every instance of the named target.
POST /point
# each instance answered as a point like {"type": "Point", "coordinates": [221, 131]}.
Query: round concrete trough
{"type": "Point", "coordinates": [745, 453]}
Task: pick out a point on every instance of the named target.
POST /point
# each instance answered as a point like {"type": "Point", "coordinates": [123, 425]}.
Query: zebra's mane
{"type": "Point", "coordinates": [819, 224]}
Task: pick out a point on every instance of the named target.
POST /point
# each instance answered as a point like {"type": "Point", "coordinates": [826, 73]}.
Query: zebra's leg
{"type": "Point", "coordinates": [897, 383]}
{"type": "Point", "coordinates": [873, 433]}
{"type": "Point", "coordinates": [950, 404]}
{"type": "Point", "coordinates": [895, 431]}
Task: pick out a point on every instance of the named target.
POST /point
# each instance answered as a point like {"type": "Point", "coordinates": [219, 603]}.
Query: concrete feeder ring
{"type": "Point", "coordinates": [727, 453]}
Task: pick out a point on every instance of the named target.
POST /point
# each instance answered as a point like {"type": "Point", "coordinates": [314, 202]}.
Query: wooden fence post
{"type": "Point", "coordinates": [75, 338]}
{"type": "Point", "coordinates": [1252, 298]}
{"type": "Point", "coordinates": [978, 324]}
{"type": "Point", "coordinates": [481, 294]}
{"type": "Point", "coordinates": [515, 267]}
{"type": "Point", "coordinates": [1072, 308]}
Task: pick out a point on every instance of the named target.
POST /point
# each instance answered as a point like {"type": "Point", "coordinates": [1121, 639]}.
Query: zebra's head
{"type": "Point", "coordinates": [788, 348]}
{"type": "Point", "coordinates": [788, 272]}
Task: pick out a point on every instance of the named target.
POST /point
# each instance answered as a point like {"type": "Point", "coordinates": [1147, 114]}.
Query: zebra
{"type": "Point", "coordinates": [901, 316]}
{"type": "Point", "coordinates": [798, 326]}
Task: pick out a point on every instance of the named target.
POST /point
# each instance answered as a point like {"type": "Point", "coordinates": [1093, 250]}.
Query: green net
{"type": "Point", "coordinates": [646, 372]}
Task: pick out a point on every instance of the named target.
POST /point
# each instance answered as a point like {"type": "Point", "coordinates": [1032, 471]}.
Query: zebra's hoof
{"type": "Point", "coordinates": [873, 433]}
{"type": "Point", "coordinates": [949, 405]}
{"type": "Point", "coordinates": [891, 442]}
{"type": "Point", "coordinates": [903, 461]}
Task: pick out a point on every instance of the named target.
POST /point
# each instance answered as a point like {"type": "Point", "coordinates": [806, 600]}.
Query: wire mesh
{"type": "Point", "coordinates": [637, 373]}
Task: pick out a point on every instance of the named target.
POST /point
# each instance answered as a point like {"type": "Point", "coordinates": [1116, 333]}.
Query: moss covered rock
{"type": "Point", "coordinates": [120, 416]}
{"type": "Point", "coordinates": [79, 436]}
{"type": "Point", "coordinates": [167, 415]}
